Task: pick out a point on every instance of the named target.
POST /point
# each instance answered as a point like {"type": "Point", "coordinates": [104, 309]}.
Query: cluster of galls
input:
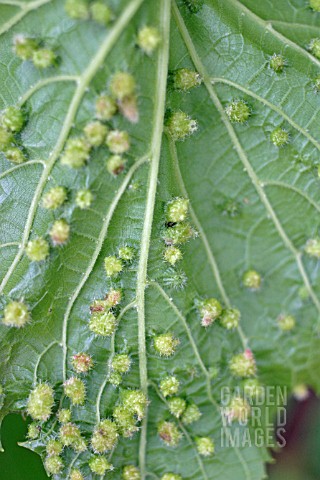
{"type": "Point", "coordinates": [211, 310]}
{"type": "Point", "coordinates": [38, 249]}
{"type": "Point", "coordinates": [32, 49]}
{"type": "Point", "coordinates": [148, 38]}
{"type": "Point", "coordinates": [12, 121]}
{"type": "Point", "coordinates": [122, 98]}
{"type": "Point", "coordinates": [238, 111]}
{"type": "Point", "coordinates": [114, 264]}
{"type": "Point", "coordinates": [179, 125]}
{"type": "Point", "coordinates": [98, 132]}
{"type": "Point", "coordinates": [98, 11]}
{"type": "Point", "coordinates": [129, 412]}
{"type": "Point", "coordinates": [126, 416]}
{"type": "Point", "coordinates": [177, 232]}
{"type": "Point", "coordinates": [103, 321]}
{"type": "Point", "coordinates": [178, 407]}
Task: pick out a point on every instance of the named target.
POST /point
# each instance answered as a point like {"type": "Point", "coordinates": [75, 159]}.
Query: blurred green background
{"type": "Point", "coordinates": [299, 460]}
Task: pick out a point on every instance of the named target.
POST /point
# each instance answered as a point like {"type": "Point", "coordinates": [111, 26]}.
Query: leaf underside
{"type": "Point", "coordinates": [273, 192]}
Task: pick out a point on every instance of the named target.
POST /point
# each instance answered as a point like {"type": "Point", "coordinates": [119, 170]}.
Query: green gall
{"type": "Point", "coordinates": [252, 280]}
{"type": "Point", "coordinates": [312, 247]}
{"type": "Point", "coordinates": [127, 253]}
{"type": "Point", "coordinates": [40, 402]}
{"type": "Point", "coordinates": [148, 39]}
{"type": "Point", "coordinates": [191, 414]}
{"type": "Point", "coordinates": [53, 465]}
{"type": "Point", "coordinates": [115, 379]}
{"type": "Point", "coordinates": [130, 472]}
{"type": "Point", "coordinates": [231, 208]}
{"type": "Point", "coordinates": [95, 133]}
{"type": "Point", "coordinates": [24, 47]}
{"type": "Point", "coordinates": [180, 125]}
{"type": "Point", "coordinates": [69, 434]}
{"type": "Point", "coordinates": [286, 322]}
{"type": "Point", "coordinates": [238, 410]}
{"type": "Point", "coordinates": [194, 6]}
{"type": "Point", "coordinates": [15, 155]}
{"type": "Point", "coordinates": [314, 47]}
{"type": "Point", "coordinates": [76, 475]}
{"type": "Point", "coordinates": [13, 119]}
{"type": "Point", "coordinates": [77, 9]}
{"type": "Point", "coordinates": [16, 314]}
{"type": "Point", "coordinates": [84, 199]}
{"type": "Point", "coordinates": [169, 433]}
{"type": "Point", "coordinates": [243, 365]}
{"type": "Point", "coordinates": [177, 406]}
{"type": "Point", "coordinates": [64, 415]}
{"type": "Point", "coordinates": [177, 210]}
{"type": "Point", "coordinates": [54, 198]}
{"type": "Point", "coordinates": [101, 13]}
{"type": "Point", "coordinates": [122, 85]}
{"type": "Point", "coordinates": [113, 266]}
{"type": "Point", "coordinates": [99, 465]}
{"type": "Point", "coordinates": [277, 62]}
{"type": "Point", "coordinates": [60, 232]}
{"type": "Point", "coordinates": [82, 362]}
{"type": "Point", "coordinates": [74, 389]}
{"type": "Point", "coordinates": [33, 431]}
{"type": "Point", "coordinates": [116, 165]}
{"type": "Point", "coordinates": [238, 111]}
{"type": "Point", "coordinates": [230, 318]}
{"type": "Point", "coordinates": [135, 401]}
{"type": "Point", "coordinates": [315, 5]}
{"type": "Point", "coordinates": [179, 234]}
{"type": "Point", "coordinates": [210, 310]}
{"type": "Point", "coordinates": [205, 446]}
{"type": "Point", "coordinates": [37, 250]}
{"type": "Point", "coordinates": [171, 476]}
{"type": "Point", "coordinates": [121, 363]}
{"type": "Point", "coordinates": [184, 79]}
{"type": "Point", "coordinates": [76, 152]}
{"type": "Point", "coordinates": [169, 386]}
{"type": "Point", "coordinates": [253, 389]}
{"type": "Point", "coordinates": [103, 324]}
{"type": "Point", "coordinates": [53, 447]}
{"type": "Point", "coordinates": [175, 279]}
{"type": "Point", "coordinates": [301, 392]}
{"type": "Point", "coordinates": [125, 421]}
{"type": "Point", "coordinates": [6, 139]}
{"type": "Point", "coordinates": [118, 141]}
{"type": "Point", "coordinates": [172, 255]}
{"type": "Point", "coordinates": [105, 436]}
{"type": "Point", "coordinates": [43, 58]}
{"type": "Point", "coordinates": [80, 445]}
{"type": "Point", "coordinates": [106, 107]}
{"type": "Point", "coordinates": [165, 344]}
{"type": "Point", "coordinates": [279, 137]}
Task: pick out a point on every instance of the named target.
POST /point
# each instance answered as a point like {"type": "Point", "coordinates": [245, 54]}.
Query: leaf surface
{"type": "Point", "coordinates": [223, 167]}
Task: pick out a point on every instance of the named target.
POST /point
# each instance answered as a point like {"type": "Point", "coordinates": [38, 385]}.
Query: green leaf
{"type": "Point", "coordinates": [253, 204]}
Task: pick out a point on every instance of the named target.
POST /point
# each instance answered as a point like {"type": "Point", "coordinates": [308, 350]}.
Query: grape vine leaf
{"type": "Point", "coordinates": [253, 204]}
